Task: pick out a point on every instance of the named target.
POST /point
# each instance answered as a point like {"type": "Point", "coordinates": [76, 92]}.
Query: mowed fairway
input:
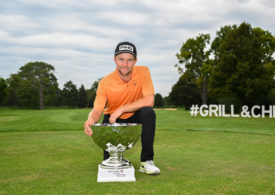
{"type": "Point", "coordinates": [47, 152]}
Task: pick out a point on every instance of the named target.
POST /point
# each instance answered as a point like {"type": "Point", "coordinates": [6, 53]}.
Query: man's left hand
{"type": "Point", "coordinates": [115, 115]}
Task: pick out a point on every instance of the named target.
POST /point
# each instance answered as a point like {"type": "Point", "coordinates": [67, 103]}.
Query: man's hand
{"type": "Point", "coordinates": [87, 127]}
{"type": "Point", "coordinates": [116, 114]}
{"type": "Point", "coordinates": [132, 107]}
{"type": "Point", "coordinates": [93, 117]}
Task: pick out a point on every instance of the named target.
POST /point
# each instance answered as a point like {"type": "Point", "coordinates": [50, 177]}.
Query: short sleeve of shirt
{"type": "Point", "coordinates": [101, 98]}
{"type": "Point", "coordinates": [147, 87]}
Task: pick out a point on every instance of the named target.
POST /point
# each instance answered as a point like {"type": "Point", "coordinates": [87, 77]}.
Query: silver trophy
{"type": "Point", "coordinates": [115, 139]}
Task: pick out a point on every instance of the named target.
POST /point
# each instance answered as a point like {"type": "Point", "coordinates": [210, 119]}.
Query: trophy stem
{"type": "Point", "coordinates": [117, 154]}
{"type": "Point", "coordinates": [115, 160]}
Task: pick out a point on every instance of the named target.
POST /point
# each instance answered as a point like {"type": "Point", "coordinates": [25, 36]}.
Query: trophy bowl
{"type": "Point", "coordinates": [115, 139]}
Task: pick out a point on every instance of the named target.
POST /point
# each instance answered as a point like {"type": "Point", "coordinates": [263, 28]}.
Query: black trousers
{"type": "Point", "coordinates": [147, 117]}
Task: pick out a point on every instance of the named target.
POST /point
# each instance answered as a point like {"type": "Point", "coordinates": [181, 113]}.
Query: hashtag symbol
{"type": "Point", "coordinates": [194, 110]}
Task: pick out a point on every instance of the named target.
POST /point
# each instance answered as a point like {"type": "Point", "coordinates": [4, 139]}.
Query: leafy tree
{"type": "Point", "coordinates": [186, 92]}
{"type": "Point", "coordinates": [82, 97]}
{"type": "Point", "coordinates": [220, 36]}
{"type": "Point", "coordinates": [28, 95]}
{"type": "Point", "coordinates": [58, 98]}
{"type": "Point", "coordinates": [158, 100]}
{"type": "Point", "coordinates": [13, 84]}
{"type": "Point", "coordinates": [51, 94]}
{"type": "Point", "coordinates": [91, 98]}
{"type": "Point", "coordinates": [69, 94]}
{"type": "Point", "coordinates": [95, 84]}
{"type": "Point", "coordinates": [37, 77]}
{"type": "Point", "coordinates": [3, 90]}
{"type": "Point", "coordinates": [271, 96]}
{"type": "Point", "coordinates": [194, 55]}
{"type": "Point", "coordinates": [11, 99]}
{"type": "Point", "coordinates": [92, 93]}
{"type": "Point", "coordinates": [167, 101]}
{"type": "Point", "coordinates": [243, 67]}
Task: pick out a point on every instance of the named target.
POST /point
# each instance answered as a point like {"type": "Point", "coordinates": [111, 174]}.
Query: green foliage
{"type": "Point", "coordinates": [23, 89]}
{"type": "Point", "coordinates": [95, 84]}
{"type": "Point", "coordinates": [11, 99]}
{"type": "Point", "coordinates": [92, 93]}
{"type": "Point", "coordinates": [91, 98]}
{"type": "Point", "coordinates": [194, 56]}
{"type": "Point", "coordinates": [39, 77]}
{"type": "Point", "coordinates": [271, 96]}
{"type": "Point", "coordinates": [13, 86]}
{"type": "Point", "coordinates": [69, 94]}
{"type": "Point", "coordinates": [33, 86]}
{"type": "Point", "coordinates": [167, 101]}
{"type": "Point", "coordinates": [220, 36]}
{"type": "Point", "coordinates": [3, 90]}
{"type": "Point", "coordinates": [27, 94]}
{"type": "Point", "coordinates": [158, 101]}
{"type": "Point", "coordinates": [186, 92]}
{"type": "Point", "coordinates": [82, 97]}
{"type": "Point", "coordinates": [242, 65]}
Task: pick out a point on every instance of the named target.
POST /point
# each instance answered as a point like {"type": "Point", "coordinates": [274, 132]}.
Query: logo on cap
{"type": "Point", "coordinates": [126, 48]}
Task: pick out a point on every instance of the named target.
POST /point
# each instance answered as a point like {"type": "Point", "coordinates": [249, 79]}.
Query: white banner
{"type": "Point", "coordinates": [214, 110]}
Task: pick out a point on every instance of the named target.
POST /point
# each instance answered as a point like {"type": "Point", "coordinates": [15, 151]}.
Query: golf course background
{"type": "Point", "coordinates": [47, 152]}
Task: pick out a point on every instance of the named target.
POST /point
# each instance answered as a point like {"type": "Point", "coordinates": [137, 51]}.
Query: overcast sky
{"type": "Point", "coordinates": [78, 37]}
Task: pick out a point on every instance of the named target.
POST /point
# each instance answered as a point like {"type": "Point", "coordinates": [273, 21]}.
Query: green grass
{"type": "Point", "coordinates": [46, 152]}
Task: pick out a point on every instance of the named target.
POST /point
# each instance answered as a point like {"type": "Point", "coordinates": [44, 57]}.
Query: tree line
{"type": "Point", "coordinates": [237, 68]}
{"type": "Point", "coordinates": [35, 86]}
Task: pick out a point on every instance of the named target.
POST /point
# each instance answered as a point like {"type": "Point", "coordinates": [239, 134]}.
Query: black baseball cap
{"type": "Point", "coordinates": [126, 47]}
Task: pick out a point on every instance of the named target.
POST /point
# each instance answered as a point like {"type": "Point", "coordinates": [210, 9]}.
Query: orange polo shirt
{"type": "Point", "coordinates": [113, 93]}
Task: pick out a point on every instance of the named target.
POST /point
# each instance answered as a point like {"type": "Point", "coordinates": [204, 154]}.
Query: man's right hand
{"type": "Point", "coordinates": [87, 127]}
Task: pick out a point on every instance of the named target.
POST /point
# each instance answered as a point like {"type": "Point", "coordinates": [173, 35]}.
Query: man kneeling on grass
{"type": "Point", "coordinates": [128, 95]}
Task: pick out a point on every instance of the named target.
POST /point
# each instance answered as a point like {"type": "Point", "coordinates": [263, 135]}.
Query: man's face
{"type": "Point", "coordinates": [125, 63]}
